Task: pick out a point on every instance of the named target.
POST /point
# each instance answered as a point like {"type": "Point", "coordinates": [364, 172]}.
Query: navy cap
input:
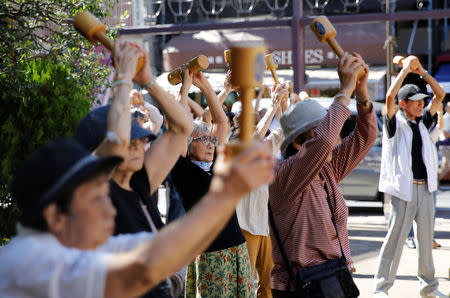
{"type": "Point", "coordinates": [60, 165]}
{"type": "Point", "coordinates": [411, 92]}
{"type": "Point", "coordinates": [92, 129]}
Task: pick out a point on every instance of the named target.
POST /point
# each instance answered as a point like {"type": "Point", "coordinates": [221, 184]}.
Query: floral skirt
{"type": "Point", "coordinates": [223, 273]}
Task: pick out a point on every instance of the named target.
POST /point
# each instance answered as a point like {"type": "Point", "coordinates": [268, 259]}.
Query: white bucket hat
{"type": "Point", "coordinates": [298, 119]}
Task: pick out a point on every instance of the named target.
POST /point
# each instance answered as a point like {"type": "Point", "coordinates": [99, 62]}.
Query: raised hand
{"type": "Point", "coordinates": [125, 59]}
{"type": "Point", "coordinates": [136, 98]}
{"type": "Point", "coordinates": [199, 80]}
{"type": "Point", "coordinates": [187, 81]}
{"type": "Point", "coordinates": [348, 69]}
{"type": "Point", "coordinates": [145, 76]}
{"type": "Point", "coordinates": [362, 94]}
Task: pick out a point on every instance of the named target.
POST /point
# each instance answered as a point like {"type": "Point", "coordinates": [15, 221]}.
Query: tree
{"type": "Point", "coordinates": [49, 76]}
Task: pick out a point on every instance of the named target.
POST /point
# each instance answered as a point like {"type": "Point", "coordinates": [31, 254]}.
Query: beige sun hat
{"type": "Point", "coordinates": [298, 119]}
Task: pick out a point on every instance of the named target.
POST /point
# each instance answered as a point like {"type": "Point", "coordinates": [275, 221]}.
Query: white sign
{"type": "Point", "coordinates": [312, 56]}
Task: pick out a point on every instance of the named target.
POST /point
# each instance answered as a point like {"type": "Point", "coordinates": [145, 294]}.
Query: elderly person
{"type": "Point", "coordinates": [142, 172]}
{"type": "Point", "coordinates": [309, 212]}
{"type": "Point", "coordinates": [224, 269]}
{"type": "Point", "coordinates": [409, 173]}
{"type": "Point", "coordinates": [64, 246]}
{"type": "Point", "coordinates": [64, 232]}
{"type": "Point", "coordinates": [252, 210]}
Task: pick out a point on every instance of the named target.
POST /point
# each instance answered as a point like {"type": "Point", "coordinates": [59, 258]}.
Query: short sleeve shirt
{"type": "Point", "coordinates": [38, 265]}
{"type": "Point", "coordinates": [418, 166]}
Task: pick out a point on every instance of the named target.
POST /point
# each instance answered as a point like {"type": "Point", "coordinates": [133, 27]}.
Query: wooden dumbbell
{"type": "Point", "coordinates": [89, 26]}
{"type": "Point", "coordinates": [271, 63]}
{"type": "Point", "coordinates": [227, 57]}
{"type": "Point", "coordinates": [326, 33]}
{"type": "Point", "coordinates": [290, 86]}
{"type": "Point", "coordinates": [195, 64]}
{"type": "Point", "coordinates": [247, 71]}
{"type": "Point", "coordinates": [399, 60]}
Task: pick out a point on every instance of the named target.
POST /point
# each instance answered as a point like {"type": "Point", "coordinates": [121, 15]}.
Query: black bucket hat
{"type": "Point", "coordinates": [92, 129]}
{"type": "Point", "coordinates": [60, 165]}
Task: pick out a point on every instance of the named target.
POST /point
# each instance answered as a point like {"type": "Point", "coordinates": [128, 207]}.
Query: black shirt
{"type": "Point", "coordinates": [130, 217]}
{"type": "Point", "coordinates": [418, 167]}
{"type": "Point", "coordinates": [192, 183]}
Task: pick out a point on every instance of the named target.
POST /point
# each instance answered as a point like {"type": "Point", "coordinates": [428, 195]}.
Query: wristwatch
{"type": "Point", "coordinates": [364, 104]}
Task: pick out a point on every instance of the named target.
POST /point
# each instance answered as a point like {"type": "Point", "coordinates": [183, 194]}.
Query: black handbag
{"type": "Point", "coordinates": [331, 279]}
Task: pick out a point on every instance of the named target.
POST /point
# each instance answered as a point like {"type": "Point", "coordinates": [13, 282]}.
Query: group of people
{"type": "Point", "coordinates": [91, 226]}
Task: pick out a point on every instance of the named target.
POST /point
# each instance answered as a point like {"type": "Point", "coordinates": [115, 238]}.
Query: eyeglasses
{"type": "Point", "coordinates": [208, 139]}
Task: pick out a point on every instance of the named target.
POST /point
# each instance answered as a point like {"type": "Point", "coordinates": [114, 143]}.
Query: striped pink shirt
{"type": "Point", "coordinates": [298, 199]}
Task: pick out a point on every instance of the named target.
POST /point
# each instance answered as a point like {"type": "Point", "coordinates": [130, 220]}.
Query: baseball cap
{"type": "Point", "coordinates": [91, 130]}
{"type": "Point", "coordinates": [59, 165]}
{"type": "Point", "coordinates": [411, 92]}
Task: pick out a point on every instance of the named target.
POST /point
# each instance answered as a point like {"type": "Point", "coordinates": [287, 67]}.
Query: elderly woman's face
{"type": "Point", "coordinates": [135, 159]}
{"type": "Point", "coordinates": [202, 147]}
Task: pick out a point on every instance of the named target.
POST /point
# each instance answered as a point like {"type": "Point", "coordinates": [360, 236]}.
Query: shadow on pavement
{"type": "Point", "coordinates": [370, 276]}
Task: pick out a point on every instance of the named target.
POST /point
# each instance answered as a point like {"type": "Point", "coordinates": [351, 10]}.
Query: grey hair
{"type": "Point", "coordinates": [199, 126]}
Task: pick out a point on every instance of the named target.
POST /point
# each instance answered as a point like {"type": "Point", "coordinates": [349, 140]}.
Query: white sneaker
{"type": "Point", "coordinates": [380, 295]}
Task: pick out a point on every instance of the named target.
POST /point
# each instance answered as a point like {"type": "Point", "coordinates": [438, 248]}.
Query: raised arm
{"type": "Point", "coordinates": [196, 109]}
{"type": "Point", "coordinates": [352, 150]}
{"type": "Point", "coordinates": [134, 273]}
{"type": "Point", "coordinates": [119, 118]}
{"type": "Point", "coordinates": [391, 107]}
{"type": "Point", "coordinates": [438, 91]}
{"type": "Point", "coordinates": [312, 154]}
{"type": "Point", "coordinates": [164, 152]}
{"type": "Point", "coordinates": [219, 118]}
{"type": "Point", "coordinates": [264, 123]}
{"type": "Point", "coordinates": [221, 96]}
{"type": "Point", "coordinates": [183, 96]}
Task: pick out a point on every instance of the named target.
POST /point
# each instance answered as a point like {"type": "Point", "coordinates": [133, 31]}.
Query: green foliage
{"type": "Point", "coordinates": [48, 76]}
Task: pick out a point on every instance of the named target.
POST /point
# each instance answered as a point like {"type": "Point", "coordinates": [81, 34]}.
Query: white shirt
{"type": "Point", "coordinates": [251, 211]}
{"type": "Point", "coordinates": [447, 122]}
{"type": "Point", "coordinates": [36, 264]}
{"type": "Point", "coordinates": [396, 176]}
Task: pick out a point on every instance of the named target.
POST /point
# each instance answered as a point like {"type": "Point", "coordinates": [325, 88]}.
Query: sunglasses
{"type": "Point", "coordinates": [207, 139]}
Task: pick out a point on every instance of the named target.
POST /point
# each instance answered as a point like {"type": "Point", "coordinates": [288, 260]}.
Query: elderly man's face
{"type": "Point", "coordinates": [90, 220]}
{"type": "Point", "coordinates": [412, 108]}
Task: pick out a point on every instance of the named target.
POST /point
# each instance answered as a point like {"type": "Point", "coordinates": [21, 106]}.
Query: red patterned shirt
{"type": "Point", "coordinates": [298, 198]}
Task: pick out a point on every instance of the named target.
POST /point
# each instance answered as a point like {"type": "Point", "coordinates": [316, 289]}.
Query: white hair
{"type": "Point", "coordinates": [199, 126]}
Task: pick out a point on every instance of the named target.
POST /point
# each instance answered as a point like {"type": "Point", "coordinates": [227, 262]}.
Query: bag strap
{"type": "Point", "coordinates": [289, 269]}
{"type": "Point", "coordinates": [332, 216]}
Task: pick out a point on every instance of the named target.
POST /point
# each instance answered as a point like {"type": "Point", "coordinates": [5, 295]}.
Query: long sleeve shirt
{"type": "Point", "coordinates": [298, 198]}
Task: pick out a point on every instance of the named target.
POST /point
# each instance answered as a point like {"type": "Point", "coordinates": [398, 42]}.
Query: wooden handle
{"type": "Point", "coordinates": [274, 75]}
{"type": "Point", "coordinates": [335, 47]}
{"type": "Point", "coordinates": [340, 52]}
{"type": "Point", "coordinates": [247, 117]}
{"type": "Point", "coordinates": [88, 25]}
{"type": "Point", "coordinates": [105, 40]}
{"type": "Point", "coordinates": [196, 64]}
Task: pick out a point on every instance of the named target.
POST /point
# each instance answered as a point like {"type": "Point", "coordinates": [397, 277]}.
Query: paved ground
{"type": "Point", "coordinates": [367, 229]}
